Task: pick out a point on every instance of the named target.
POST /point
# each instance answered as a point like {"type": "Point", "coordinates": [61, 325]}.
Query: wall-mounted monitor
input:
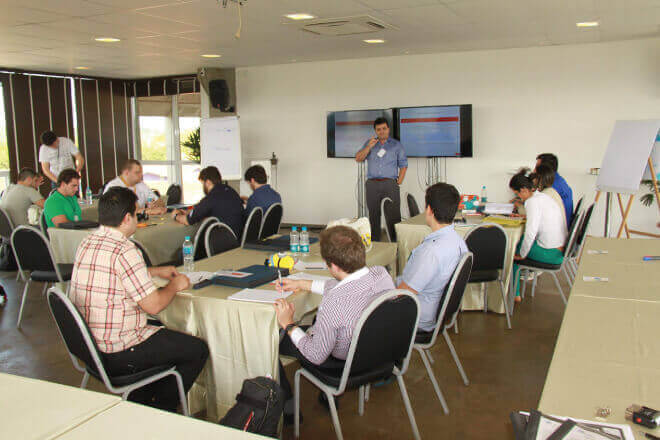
{"type": "Point", "coordinates": [348, 130]}
{"type": "Point", "coordinates": [435, 131]}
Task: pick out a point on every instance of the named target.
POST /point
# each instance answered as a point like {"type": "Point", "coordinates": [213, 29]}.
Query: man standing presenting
{"type": "Point", "coordinates": [387, 165]}
{"type": "Point", "coordinates": [131, 178]}
{"type": "Point", "coordinates": [56, 154]}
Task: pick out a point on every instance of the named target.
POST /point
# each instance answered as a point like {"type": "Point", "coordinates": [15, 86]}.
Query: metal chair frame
{"type": "Point", "coordinates": [207, 241]}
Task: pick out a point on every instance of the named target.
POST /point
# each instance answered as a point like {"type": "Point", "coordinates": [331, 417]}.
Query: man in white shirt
{"type": "Point", "coordinates": [131, 178]}
{"type": "Point", "coordinates": [57, 154]}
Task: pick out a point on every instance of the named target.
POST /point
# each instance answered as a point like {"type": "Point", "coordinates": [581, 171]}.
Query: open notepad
{"type": "Point", "coordinates": [259, 295]}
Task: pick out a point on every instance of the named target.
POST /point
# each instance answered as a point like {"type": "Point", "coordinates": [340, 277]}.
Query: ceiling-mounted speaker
{"type": "Point", "coordinates": [219, 95]}
{"type": "Point", "coordinates": [220, 86]}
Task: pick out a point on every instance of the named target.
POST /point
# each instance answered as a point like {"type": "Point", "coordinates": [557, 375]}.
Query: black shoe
{"type": "Point", "coordinates": [323, 400]}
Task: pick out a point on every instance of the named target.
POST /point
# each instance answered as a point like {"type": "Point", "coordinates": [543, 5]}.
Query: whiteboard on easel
{"type": "Point", "coordinates": [627, 155]}
{"type": "Point", "coordinates": [220, 141]}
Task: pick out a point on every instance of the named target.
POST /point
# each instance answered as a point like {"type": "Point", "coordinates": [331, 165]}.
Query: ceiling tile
{"type": "Point", "coordinates": [397, 4]}
{"type": "Point", "coordinates": [133, 4]}
{"type": "Point", "coordinates": [92, 27]}
{"type": "Point", "coordinates": [143, 22]}
{"type": "Point", "coordinates": [16, 15]}
{"type": "Point", "coordinates": [73, 8]}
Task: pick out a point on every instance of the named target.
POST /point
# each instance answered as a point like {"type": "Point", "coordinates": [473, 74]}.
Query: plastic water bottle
{"type": "Point", "coordinates": [294, 241]}
{"type": "Point", "coordinates": [88, 195]}
{"type": "Point", "coordinates": [188, 257]}
{"type": "Point", "coordinates": [304, 241]}
{"type": "Point", "coordinates": [484, 195]}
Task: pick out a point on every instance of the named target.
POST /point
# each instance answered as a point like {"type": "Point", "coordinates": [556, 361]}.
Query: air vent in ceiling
{"type": "Point", "coordinates": [363, 24]}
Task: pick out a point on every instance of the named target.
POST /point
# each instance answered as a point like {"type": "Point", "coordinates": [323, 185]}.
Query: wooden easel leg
{"type": "Point", "coordinates": [618, 196]}
{"type": "Point", "coordinates": [597, 197]}
{"type": "Point", "coordinates": [625, 216]}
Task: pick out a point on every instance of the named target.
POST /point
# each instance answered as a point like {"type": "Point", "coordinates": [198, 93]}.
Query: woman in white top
{"type": "Point", "coordinates": [544, 177]}
{"type": "Point", "coordinates": [545, 230]}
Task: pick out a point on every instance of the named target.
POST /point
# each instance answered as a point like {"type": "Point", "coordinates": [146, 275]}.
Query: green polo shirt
{"type": "Point", "coordinates": [57, 204]}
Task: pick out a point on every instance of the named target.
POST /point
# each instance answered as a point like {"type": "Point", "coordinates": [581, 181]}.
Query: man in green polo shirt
{"type": "Point", "coordinates": [62, 206]}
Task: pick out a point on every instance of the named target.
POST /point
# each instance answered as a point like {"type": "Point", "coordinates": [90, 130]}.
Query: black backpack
{"type": "Point", "coordinates": [259, 407]}
{"type": "Point", "coordinates": [7, 260]}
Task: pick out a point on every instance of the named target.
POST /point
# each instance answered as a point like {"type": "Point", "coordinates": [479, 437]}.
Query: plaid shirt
{"type": "Point", "coordinates": [109, 279]}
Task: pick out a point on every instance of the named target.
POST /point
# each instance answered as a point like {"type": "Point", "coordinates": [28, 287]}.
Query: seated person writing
{"type": "Point", "coordinates": [543, 177]}
{"type": "Point", "coordinates": [355, 286]}
{"type": "Point", "coordinates": [131, 178]}
{"type": "Point", "coordinates": [432, 263]}
{"type": "Point", "coordinates": [112, 288]}
{"type": "Point", "coordinates": [62, 205]}
{"type": "Point", "coordinates": [263, 195]}
{"type": "Point", "coordinates": [559, 183]}
{"type": "Point", "coordinates": [221, 201]}
{"type": "Point", "coordinates": [545, 230]}
{"type": "Point", "coordinates": [18, 198]}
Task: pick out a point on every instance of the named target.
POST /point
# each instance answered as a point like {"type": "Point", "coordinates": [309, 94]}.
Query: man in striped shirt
{"type": "Point", "coordinates": [326, 343]}
{"type": "Point", "coordinates": [113, 290]}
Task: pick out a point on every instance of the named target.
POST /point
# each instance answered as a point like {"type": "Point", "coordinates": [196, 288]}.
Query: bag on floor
{"type": "Point", "coordinates": [258, 409]}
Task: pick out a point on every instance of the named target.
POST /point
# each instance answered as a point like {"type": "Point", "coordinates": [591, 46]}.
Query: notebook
{"type": "Point", "coordinates": [279, 244]}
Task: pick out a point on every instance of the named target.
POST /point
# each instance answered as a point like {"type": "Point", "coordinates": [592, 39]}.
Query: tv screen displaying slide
{"type": "Point", "coordinates": [349, 130]}
{"type": "Point", "coordinates": [438, 131]}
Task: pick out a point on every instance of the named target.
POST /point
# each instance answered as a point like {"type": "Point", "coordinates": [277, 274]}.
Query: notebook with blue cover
{"type": "Point", "coordinates": [260, 275]}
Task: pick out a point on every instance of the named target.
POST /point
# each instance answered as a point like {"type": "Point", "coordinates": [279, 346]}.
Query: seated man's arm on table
{"type": "Point", "coordinates": [40, 203]}
{"type": "Point", "coordinates": [36, 198]}
{"type": "Point", "coordinates": [198, 213]}
{"type": "Point", "coordinates": [59, 219]}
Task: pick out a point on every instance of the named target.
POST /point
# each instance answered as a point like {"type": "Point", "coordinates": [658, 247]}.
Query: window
{"type": "Point", "coordinates": [162, 119]}
{"type": "Point", "coordinates": [4, 149]}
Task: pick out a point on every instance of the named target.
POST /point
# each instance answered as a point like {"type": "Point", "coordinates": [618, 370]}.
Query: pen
{"type": "Point", "coordinates": [647, 435]}
{"type": "Point", "coordinates": [651, 257]}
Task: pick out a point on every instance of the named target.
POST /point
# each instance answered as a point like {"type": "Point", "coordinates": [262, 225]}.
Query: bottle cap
{"type": "Point", "coordinates": [294, 228]}
{"type": "Point", "coordinates": [187, 237]}
{"type": "Point", "coordinates": [483, 187]}
{"type": "Point", "coordinates": [304, 228]}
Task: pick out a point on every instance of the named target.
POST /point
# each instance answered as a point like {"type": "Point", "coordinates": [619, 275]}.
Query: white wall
{"type": "Point", "coordinates": [561, 99]}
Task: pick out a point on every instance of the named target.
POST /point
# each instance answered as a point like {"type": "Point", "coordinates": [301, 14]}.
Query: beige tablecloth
{"type": "Point", "coordinates": [411, 232]}
{"type": "Point", "coordinates": [128, 421]}
{"type": "Point", "coordinates": [36, 409]}
{"type": "Point", "coordinates": [242, 337]}
{"type": "Point", "coordinates": [608, 353]}
{"type": "Point", "coordinates": [163, 241]}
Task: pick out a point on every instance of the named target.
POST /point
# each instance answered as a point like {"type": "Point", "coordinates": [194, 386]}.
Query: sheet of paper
{"type": "Point", "coordinates": [308, 276]}
{"type": "Point", "coordinates": [196, 277]}
{"type": "Point", "coordinates": [498, 208]}
{"type": "Point", "coordinates": [614, 431]}
{"type": "Point", "coordinates": [310, 265]}
{"type": "Point", "coordinates": [596, 252]}
{"type": "Point", "coordinates": [601, 279]}
{"type": "Point", "coordinates": [259, 295]}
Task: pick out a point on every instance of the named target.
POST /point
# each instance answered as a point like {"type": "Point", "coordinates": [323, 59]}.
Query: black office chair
{"type": "Point", "coordinates": [174, 194]}
{"type": "Point", "coordinates": [43, 224]}
{"type": "Point", "coordinates": [143, 251]}
{"type": "Point", "coordinates": [391, 218]}
{"type": "Point", "coordinates": [488, 243]}
{"type": "Point", "coordinates": [33, 253]}
{"type": "Point", "coordinates": [413, 208]}
{"type": "Point", "coordinates": [199, 249]}
{"type": "Point", "coordinates": [447, 313]}
{"type": "Point", "coordinates": [219, 238]}
{"type": "Point", "coordinates": [6, 225]}
{"type": "Point", "coordinates": [83, 348]}
{"type": "Point", "coordinates": [381, 346]}
{"type": "Point", "coordinates": [582, 227]}
{"type": "Point", "coordinates": [576, 211]}
{"type": "Point", "coordinates": [271, 222]}
{"type": "Point", "coordinates": [252, 226]}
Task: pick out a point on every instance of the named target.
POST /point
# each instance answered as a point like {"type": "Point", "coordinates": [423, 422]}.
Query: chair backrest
{"type": "Point", "coordinates": [582, 229]}
{"type": "Point", "coordinates": [174, 194]}
{"type": "Point", "coordinates": [578, 206]}
{"type": "Point", "coordinates": [199, 250]}
{"type": "Point", "coordinates": [451, 305]}
{"type": "Point", "coordinates": [219, 238]}
{"type": "Point", "coordinates": [32, 250]}
{"type": "Point", "coordinates": [413, 208]}
{"type": "Point", "coordinates": [388, 210]}
{"type": "Point", "coordinates": [6, 225]}
{"type": "Point", "coordinates": [43, 224]}
{"type": "Point", "coordinates": [571, 240]}
{"type": "Point", "coordinates": [75, 333]}
{"type": "Point", "coordinates": [488, 243]}
{"type": "Point", "coordinates": [144, 252]}
{"type": "Point", "coordinates": [271, 222]}
{"type": "Point", "coordinates": [252, 226]}
{"type": "Point", "coordinates": [383, 335]}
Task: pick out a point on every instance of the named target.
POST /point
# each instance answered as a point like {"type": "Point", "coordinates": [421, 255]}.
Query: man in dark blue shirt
{"type": "Point", "coordinates": [263, 195]}
{"type": "Point", "coordinates": [221, 201]}
{"type": "Point", "coordinates": [559, 185]}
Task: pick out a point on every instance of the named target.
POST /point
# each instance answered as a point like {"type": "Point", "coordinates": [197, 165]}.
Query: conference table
{"type": "Point", "coordinates": [243, 337]}
{"type": "Point", "coordinates": [608, 351]}
{"type": "Point", "coordinates": [162, 239]}
{"type": "Point", "coordinates": [411, 232]}
{"type": "Point", "coordinates": [89, 212]}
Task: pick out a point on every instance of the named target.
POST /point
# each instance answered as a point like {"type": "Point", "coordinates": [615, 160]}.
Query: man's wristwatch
{"type": "Point", "coordinates": [288, 328]}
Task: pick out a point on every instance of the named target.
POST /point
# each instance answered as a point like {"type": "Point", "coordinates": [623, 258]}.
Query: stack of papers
{"type": "Point", "coordinates": [196, 277]}
{"type": "Point", "coordinates": [259, 295]}
{"type": "Point", "coordinates": [498, 208]}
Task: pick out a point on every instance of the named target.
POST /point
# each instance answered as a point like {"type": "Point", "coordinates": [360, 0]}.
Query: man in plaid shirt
{"type": "Point", "coordinates": [113, 290]}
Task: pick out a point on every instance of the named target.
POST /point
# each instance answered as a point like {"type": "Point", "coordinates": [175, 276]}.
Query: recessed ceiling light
{"type": "Point", "coordinates": [107, 39]}
{"type": "Point", "coordinates": [211, 55]}
{"type": "Point", "coordinates": [300, 16]}
{"type": "Point", "coordinates": [81, 68]}
{"type": "Point", "coordinates": [375, 41]}
{"type": "Point", "coordinates": [587, 24]}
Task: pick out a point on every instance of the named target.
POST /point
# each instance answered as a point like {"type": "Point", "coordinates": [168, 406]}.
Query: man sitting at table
{"type": "Point", "coordinates": [263, 195]}
{"type": "Point", "coordinates": [62, 205]}
{"type": "Point", "coordinates": [221, 201]}
{"type": "Point", "coordinates": [131, 178]}
{"type": "Point", "coordinates": [432, 263]}
{"type": "Point", "coordinates": [18, 198]}
{"type": "Point", "coordinates": [113, 290]}
{"type": "Point", "coordinates": [355, 286]}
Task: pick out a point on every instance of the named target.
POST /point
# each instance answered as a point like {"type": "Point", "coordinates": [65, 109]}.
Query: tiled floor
{"type": "Point", "coordinates": [507, 369]}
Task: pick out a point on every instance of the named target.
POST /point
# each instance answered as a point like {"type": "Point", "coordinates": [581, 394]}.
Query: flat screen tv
{"type": "Point", "coordinates": [435, 131]}
{"type": "Point", "coordinates": [349, 130]}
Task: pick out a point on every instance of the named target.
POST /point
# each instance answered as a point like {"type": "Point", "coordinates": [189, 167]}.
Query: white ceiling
{"type": "Point", "coordinates": [167, 37]}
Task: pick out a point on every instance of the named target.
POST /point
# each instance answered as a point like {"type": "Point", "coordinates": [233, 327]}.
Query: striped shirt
{"type": "Point", "coordinates": [341, 307]}
{"type": "Point", "coordinates": [109, 279]}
